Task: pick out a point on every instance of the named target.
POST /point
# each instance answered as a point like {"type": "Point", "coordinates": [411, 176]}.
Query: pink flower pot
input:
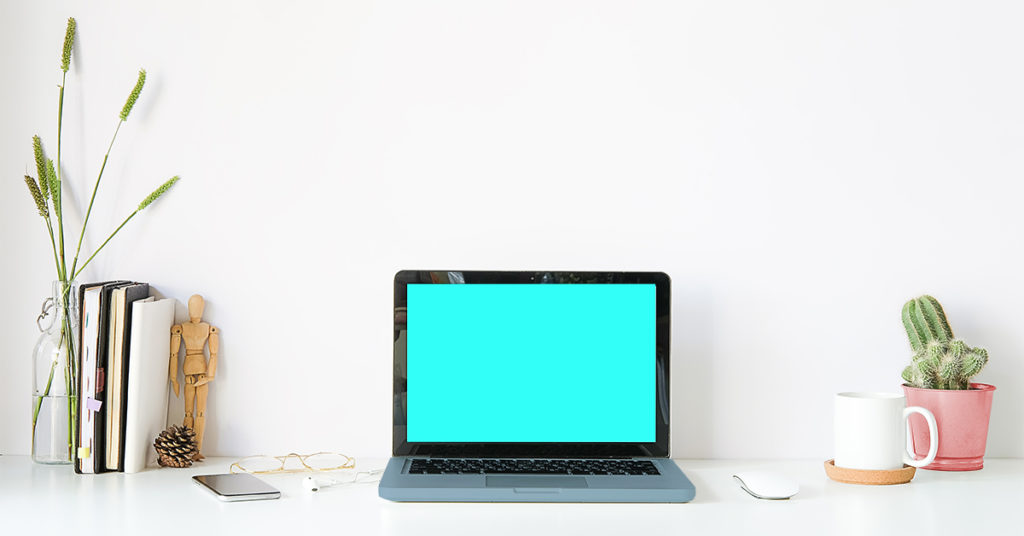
{"type": "Point", "coordinates": [962, 416]}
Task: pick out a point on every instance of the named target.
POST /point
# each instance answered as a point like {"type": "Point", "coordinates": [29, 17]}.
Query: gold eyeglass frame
{"type": "Point", "coordinates": [349, 463]}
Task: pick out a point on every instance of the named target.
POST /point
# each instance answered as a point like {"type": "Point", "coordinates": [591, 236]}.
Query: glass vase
{"type": "Point", "coordinates": [55, 378]}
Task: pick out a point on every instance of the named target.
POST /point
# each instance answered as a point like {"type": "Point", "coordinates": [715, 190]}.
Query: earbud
{"type": "Point", "coordinates": [311, 484]}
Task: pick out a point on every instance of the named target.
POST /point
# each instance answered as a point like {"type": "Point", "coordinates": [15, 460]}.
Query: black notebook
{"type": "Point", "coordinates": [118, 361]}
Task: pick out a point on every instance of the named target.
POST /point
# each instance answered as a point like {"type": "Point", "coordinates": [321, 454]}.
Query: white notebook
{"type": "Point", "coordinates": [150, 351]}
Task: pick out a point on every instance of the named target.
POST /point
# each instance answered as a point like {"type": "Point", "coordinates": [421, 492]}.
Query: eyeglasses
{"type": "Point", "coordinates": [293, 463]}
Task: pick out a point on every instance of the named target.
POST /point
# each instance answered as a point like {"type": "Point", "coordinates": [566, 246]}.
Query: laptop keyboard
{"type": "Point", "coordinates": [466, 466]}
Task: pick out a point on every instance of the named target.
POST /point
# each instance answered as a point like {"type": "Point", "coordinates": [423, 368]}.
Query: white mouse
{"type": "Point", "coordinates": [764, 485]}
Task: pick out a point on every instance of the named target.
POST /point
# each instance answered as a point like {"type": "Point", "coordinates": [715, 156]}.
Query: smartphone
{"type": "Point", "coordinates": [237, 487]}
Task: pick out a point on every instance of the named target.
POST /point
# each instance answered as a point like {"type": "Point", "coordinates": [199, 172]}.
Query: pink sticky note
{"type": "Point", "coordinates": [92, 404]}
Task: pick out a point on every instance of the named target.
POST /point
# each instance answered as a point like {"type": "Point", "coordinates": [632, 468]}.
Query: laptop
{"type": "Point", "coordinates": [532, 387]}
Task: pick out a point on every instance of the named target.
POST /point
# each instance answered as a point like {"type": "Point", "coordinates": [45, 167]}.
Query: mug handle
{"type": "Point", "coordinates": [933, 436]}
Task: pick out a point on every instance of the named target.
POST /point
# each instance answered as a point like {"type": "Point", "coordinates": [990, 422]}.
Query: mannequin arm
{"type": "Point", "coordinates": [211, 367]}
{"type": "Point", "coordinates": [172, 371]}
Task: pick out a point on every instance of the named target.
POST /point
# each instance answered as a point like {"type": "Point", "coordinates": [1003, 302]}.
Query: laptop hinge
{"type": "Point", "coordinates": [449, 457]}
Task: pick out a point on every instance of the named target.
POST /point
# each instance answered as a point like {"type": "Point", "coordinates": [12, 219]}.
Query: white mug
{"type": "Point", "coordinates": [871, 432]}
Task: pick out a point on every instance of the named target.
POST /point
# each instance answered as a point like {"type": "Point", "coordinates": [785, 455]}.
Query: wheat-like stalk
{"type": "Point", "coordinates": [161, 190]}
{"type": "Point", "coordinates": [158, 192]}
{"type": "Point", "coordinates": [127, 109]}
{"type": "Point", "coordinates": [37, 196]}
{"type": "Point", "coordinates": [44, 183]}
{"type": "Point", "coordinates": [51, 176]}
{"type": "Point", "coordinates": [69, 40]}
{"type": "Point", "coordinates": [134, 96]}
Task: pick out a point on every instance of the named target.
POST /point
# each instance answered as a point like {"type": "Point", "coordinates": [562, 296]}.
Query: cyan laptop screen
{"type": "Point", "coordinates": [531, 363]}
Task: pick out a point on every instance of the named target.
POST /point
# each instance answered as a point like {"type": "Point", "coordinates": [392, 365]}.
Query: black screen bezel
{"type": "Point", "coordinates": [659, 448]}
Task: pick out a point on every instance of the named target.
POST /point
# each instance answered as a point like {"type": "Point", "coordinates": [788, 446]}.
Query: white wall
{"type": "Point", "coordinates": [800, 169]}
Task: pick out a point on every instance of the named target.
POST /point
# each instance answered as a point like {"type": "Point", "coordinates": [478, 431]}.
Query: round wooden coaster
{"type": "Point", "coordinates": [873, 478]}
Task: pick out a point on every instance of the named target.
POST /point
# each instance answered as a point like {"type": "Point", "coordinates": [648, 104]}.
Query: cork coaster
{"type": "Point", "coordinates": [872, 478]}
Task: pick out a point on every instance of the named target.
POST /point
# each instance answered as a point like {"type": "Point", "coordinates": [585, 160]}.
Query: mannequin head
{"type": "Point", "coordinates": [195, 308]}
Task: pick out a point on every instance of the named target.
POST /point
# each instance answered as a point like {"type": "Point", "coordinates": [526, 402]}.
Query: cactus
{"type": "Point", "coordinates": [940, 361]}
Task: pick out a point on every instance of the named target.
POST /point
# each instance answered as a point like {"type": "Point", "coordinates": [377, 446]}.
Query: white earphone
{"type": "Point", "coordinates": [314, 484]}
{"type": "Point", "coordinates": [311, 484]}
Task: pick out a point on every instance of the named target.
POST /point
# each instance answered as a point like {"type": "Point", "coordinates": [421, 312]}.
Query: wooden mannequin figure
{"type": "Point", "coordinates": [198, 373]}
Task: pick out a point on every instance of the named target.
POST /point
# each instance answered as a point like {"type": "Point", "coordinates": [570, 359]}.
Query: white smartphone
{"type": "Point", "coordinates": [237, 487]}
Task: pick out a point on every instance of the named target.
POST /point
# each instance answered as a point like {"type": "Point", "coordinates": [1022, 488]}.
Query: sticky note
{"type": "Point", "coordinates": [92, 404]}
{"type": "Point", "coordinates": [83, 452]}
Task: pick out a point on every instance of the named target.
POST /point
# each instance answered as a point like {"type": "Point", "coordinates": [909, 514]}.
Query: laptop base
{"type": "Point", "coordinates": [671, 486]}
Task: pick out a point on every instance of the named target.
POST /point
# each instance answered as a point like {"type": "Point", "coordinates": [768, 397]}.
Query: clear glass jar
{"type": "Point", "coordinates": [55, 377]}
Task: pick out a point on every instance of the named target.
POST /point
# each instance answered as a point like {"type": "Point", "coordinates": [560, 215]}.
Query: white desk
{"type": "Point", "coordinates": [165, 501]}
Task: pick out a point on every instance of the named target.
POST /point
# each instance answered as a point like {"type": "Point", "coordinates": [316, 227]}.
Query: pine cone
{"type": "Point", "coordinates": [176, 446]}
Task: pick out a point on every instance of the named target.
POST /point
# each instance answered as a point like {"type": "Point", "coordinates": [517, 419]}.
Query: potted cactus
{"type": "Point", "coordinates": [939, 379]}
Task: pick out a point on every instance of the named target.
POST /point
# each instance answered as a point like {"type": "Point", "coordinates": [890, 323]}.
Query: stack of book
{"type": "Point", "coordinates": [124, 347]}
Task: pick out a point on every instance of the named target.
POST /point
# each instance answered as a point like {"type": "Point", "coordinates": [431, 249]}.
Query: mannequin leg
{"type": "Point", "coordinates": [190, 400]}
{"type": "Point", "coordinates": [200, 428]}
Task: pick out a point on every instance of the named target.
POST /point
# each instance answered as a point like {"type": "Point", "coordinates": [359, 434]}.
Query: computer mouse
{"type": "Point", "coordinates": [765, 485]}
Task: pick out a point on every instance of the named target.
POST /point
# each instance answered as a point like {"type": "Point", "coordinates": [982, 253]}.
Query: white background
{"type": "Point", "coordinates": [800, 169]}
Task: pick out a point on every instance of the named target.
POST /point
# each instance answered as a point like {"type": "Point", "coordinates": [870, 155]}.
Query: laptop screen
{"type": "Point", "coordinates": [543, 364]}
{"type": "Point", "coordinates": [531, 363]}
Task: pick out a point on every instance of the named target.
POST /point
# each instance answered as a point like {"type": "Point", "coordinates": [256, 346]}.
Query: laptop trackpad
{"type": "Point", "coordinates": [536, 481]}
